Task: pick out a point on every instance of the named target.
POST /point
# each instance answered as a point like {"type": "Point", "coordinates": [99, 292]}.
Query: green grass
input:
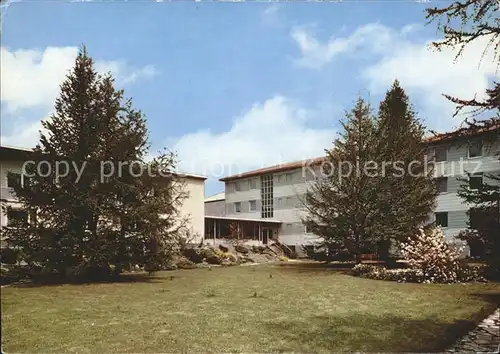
{"type": "Point", "coordinates": [242, 309]}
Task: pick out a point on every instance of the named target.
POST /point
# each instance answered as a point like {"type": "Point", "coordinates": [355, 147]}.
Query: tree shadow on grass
{"type": "Point", "coordinates": [491, 297]}
{"type": "Point", "coordinates": [122, 278]}
{"type": "Point", "coordinates": [367, 333]}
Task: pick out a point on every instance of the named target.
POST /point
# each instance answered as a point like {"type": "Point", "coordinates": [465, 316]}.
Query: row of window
{"type": "Point", "coordinates": [475, 149]}
{"type": "Point", "coordinates": [242, 185]}
{"type": "Point", "coordinates": [475, 182]}
{"type": "Point", "coordinates": [252, 206]}
{"type": "Point", "coordinates": [288, 177]}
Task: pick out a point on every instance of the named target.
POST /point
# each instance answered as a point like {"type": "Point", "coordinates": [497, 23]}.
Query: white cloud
{"type": "Point", "coordinates": [269, 133]}
{"type": "Point", "coordinates": [425, 73]}
{"type": "Point", "coordinates": [31, 78]}
{"type": "Point", "coordinates": [429, 74]}
{"type": "Point", "coordinates": [315, 54]}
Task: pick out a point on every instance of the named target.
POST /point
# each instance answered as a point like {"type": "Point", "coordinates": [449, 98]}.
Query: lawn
{"type": "Point", "coordinates": [302, 308]}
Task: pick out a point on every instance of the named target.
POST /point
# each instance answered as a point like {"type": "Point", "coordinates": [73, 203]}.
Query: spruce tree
{"type": "Point", "coordinates": [407, 192]}
{"type": "Point", "coordinates": [106, 209]}
{"type": "Point", "coordinates": [341, 205]}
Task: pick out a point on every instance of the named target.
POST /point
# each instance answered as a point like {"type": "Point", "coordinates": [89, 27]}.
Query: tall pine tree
{"type": "Point", "coordinates": [407, 192]}
{"type": "Point", "coordinates": [341, 204]}
{"type": "Point", "coordinates": [105, 206]}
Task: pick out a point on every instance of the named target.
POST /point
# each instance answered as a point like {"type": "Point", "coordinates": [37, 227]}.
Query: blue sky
{"type": "Point", "coordinates": [233, 86]}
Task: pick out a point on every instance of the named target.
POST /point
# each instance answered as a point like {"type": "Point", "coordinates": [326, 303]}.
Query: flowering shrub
{"type": "Point", "coordinates": [429, 253]}
{"type": "Point", "coordinates": [381, 273]}
{"type": "Point", "coordinates": [363, 269]}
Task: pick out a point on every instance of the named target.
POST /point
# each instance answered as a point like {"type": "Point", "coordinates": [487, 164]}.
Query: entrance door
{"type": "Point", "coordinates": [266, 235]}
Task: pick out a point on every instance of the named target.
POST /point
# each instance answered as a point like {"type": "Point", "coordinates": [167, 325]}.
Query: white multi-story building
{"type": "Point", "coordinates": [269, 200]}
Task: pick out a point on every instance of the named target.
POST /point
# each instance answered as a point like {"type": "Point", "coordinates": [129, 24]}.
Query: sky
{"type": "Point", "coordinates": [230, 87]}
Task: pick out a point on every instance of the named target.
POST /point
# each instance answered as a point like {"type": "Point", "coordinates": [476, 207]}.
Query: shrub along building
{"type": "Point", "coordinates": [11, 213]}
{"type": "Point", "coordinates": [267, 204]}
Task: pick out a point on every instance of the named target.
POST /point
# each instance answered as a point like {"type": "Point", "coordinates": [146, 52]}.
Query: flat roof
{"type": "Point", "coordinates": [276, 168]}
{"type": "Point", "coordinates": [216, 197]}
{"type": "Point", "coordinates": [271, 221]}
{"type": "Point", "coordinates": [460, 133]}
{"type": "Point", "coordinates": [15, 148]}
{"type": "Point", "coordinates": [189, 175]}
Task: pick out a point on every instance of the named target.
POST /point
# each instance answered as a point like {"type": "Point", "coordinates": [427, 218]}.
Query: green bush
{"type": "Point", "coordinates": [185, 263]}
{"type": "Point", "coordinates": [8, 255]}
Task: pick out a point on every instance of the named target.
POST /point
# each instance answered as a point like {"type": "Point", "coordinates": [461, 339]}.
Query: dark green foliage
{"type": "Point", "coordinates": [101, 212]}
{"type": "Point", "coordinates": [407, 198]}
{"type": "Point", "coordinates": [389, 192]}
{"type": "Point", "coordinates": [342, 207]}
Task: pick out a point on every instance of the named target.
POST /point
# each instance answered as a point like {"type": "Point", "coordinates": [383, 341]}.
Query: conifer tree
{"type": "Point", "coordinates": [103, 207]}
{"type": "Point", "coordinates": [341, 205]}
{"type": "Point", "coordinates": [407, 191]}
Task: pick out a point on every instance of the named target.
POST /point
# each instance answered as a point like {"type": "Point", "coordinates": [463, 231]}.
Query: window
{"type": "Point", "coordinates": [237, 186]}
{"type": "Point", "coordinates": [13, 179]}
{"type": "Point", "coordinates": [476, 149]}
{"type": "Point", "coordinates": [253, 205]}
{"type": "Point", "coordinates": [16, 217]}
{"type": "Point", "coordinates": [253, 183]}
{"type": "Point", "coordinates": [442, 184]}
{"type": "Point", "coordinates": [280, 178]}
{"type": "Point", "coordinates": [267, 195]}
{"type": "Point", "coordinates": [441, 219]}
{"type": "Point", "coordinates": [307, 230]}
{"type": "Point", "coordinates": [237, 207]}
{"type": "Point", "coordinates": [441, 153]}
{"type": "Point", "coordinates": [475, 181]}
{"type": "Point", "coordinates": [289, 177]}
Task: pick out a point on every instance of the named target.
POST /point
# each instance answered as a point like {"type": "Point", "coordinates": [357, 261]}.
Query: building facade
{"type": "Point", "coordinates": [277, 192]}
{"type": "Point", "coordinates": [215, 205]}
{"type": "Point", "coordinates": [454, 159]}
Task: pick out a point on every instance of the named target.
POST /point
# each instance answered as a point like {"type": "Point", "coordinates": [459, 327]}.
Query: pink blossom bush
{"type": "Point", "coordinates": [429, 253]}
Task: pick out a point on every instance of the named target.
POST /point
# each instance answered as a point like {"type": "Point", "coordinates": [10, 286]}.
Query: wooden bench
{"type": "Point", "coordinates": [370, 258]}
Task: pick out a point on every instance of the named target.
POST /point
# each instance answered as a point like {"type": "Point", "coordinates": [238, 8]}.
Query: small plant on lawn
{"type": "Point", "coordinates": [210, 292]}
{"type": "Point", "coordinates": [428, 252]}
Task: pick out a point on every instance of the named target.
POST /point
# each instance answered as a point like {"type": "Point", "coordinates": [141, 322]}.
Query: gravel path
{"type": "Point", "coordinates": [484, 339]}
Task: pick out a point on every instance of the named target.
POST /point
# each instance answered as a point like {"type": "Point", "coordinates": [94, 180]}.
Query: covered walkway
{"type": "Point", "coordinates": [250, 231]}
